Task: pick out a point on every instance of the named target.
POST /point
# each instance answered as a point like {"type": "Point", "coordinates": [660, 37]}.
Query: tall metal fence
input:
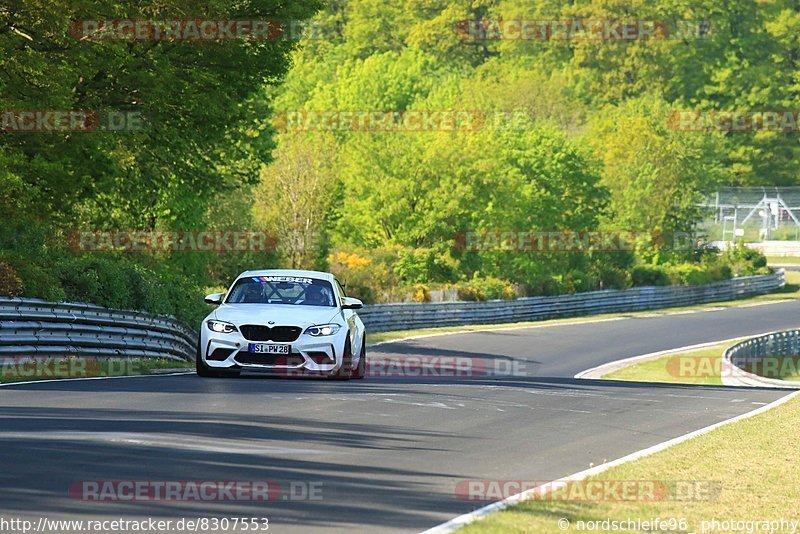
{"type": "Point", "coordinates": [385, 317]}
{"type": "Point", "coordinates": [31, 327]}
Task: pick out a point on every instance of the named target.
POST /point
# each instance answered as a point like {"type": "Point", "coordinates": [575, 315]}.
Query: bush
{"type": "Point", "coordinates": [645, 275]}
{"type": "Point", "coordinates": [485, 288]}
{"type": "Point", "coordinates": [37, 281]}
{"type": "Point", "coordinates": [467, 292]}
{"type": "Point", "coordinates": [108, 281]}
{"type": "Point", "coordinates": [367, 274]}
{"type": "Point", "coordinates": [98, 280]}
{"type": "Point", "coordinates": [614, 278]}
{"type": "Point", "coordinates": [10, 282]}
{"type": "Point", "coordinates": [720, 272]}
{"type": "Point", "coordinates": [575, 281]}
{"type": "Point", "coordinates": [689, 274]}
{"type": "Point", "coordinates": [423, 266]}
{"type": "Point", "coordinates": [421, 293]}
{"type": "Point", "coordinates": [745, 261]}
{"type": "Point", "coordinates": [43, 267]}
{"type": "Point", "coordinates": [544, 286]}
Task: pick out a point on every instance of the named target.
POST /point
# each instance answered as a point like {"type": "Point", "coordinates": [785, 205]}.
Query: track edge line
{"type": "Point", "coordinates": [470, 517]}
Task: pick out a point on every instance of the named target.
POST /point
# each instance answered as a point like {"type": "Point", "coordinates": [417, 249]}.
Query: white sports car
{"type": "Point", "coordinates": [284, 322]}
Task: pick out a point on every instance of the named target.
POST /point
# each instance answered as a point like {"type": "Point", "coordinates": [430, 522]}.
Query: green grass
{"type": "Point", "coordinates": [703, 368]}
{"type": "Point", "coordinates": [788, 260]}
{"type": "Point", "coordinates": [19, 370]}
{"type": "Point", "coordinates": [778, 367]}
{"type": "Point", "coordinates": [748, 469]}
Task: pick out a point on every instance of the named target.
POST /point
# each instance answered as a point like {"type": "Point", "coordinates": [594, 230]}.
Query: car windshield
{"type": "Point", "coordinates": [282, 290]}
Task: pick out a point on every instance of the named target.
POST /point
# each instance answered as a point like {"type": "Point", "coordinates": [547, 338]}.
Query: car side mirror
{"type": "Point", "coordinates": [352, 304]}
{"type": "Point", "coordinates": [214, 298]}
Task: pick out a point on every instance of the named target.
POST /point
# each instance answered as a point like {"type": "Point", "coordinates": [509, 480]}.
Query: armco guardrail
{"type": "Point", "coordinates": [385, 317]}
{"type": "Point", "coordinates": [30, 327]}
{"type": "Point", "coordinates": [751, 353]}
{"type": "Point", "coordinates": [33, 327]}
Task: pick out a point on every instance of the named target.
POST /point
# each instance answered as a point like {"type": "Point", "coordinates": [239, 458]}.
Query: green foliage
{"type": "Point", "coordinates": [569, 136]}
{"type": "Point", "coordinates": [649, 275]}
{"type": "Point", "coordinates": [485, 288]}
{"type": "Point", "coordinates": [707, 267]}
{"type": "Point", "coordinates": [688, 274]}
{"type": "Point", "coordinates": [197, 99]}
{"type": "Point", "coordinates": [656, 175]}
{"type": "Point", "coordinates": [612, 277]}
{"type": "Point", "coordinates": [421, 293]}
{"type": "Point", "coordinates": [10, 282]}
{"type": "Point", "coordinates": [203, 106]}
{"type": "Point", "coordinates": [745, 261]}
{"type": "Point", "coordinates": [47, 269]}
{"type": "Point", "coordinates": [367, 275]}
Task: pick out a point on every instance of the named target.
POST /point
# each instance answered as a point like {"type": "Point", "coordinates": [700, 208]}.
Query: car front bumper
{"type": "Point", "coordinates": [309, 354]}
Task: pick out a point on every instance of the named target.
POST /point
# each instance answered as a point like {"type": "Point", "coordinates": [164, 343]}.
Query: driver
{"type": "Point", "coordinates": [251, 293]}
{"type": "Point", "coordinates": [315, 296]}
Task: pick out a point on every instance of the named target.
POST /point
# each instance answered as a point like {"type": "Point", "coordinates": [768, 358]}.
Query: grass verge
{"type": "Point", "coordinates": [783, 260]}
{"type": "Point", "coordinates": [54, 368]}
{"type": "Point", "coordinates": [701, 367]}
{"type": "Point", "coordinates": [741, 472]}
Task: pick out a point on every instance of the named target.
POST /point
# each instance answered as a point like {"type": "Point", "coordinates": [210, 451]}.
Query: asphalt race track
{"type": "Point", "coordinates": [383, 454]}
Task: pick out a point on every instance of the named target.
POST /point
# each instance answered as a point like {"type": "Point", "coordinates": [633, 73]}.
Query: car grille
{"type": "Point", "coordinates": [257, 332]}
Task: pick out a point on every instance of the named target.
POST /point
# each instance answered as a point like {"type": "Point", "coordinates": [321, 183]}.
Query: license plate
{"type": "Point", "coordinates": [270, 348]}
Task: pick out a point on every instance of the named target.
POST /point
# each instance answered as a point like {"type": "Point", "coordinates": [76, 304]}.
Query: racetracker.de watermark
{"type": "Point", "coordinates": [43, 367]}
{"type": "Point", "coordinates": [171, 241]}
{"type": "Point", "coordinates": [424, 367]}
{"type": "Point", "coordinates": [146, 525]}
{"type": "Point", "coordinates": [592, 30]}
{"type": "Point", "coordinates": [735, 121]}
{"type": "Point", "coordinates": [59, 121]}
{"type": "Point", "coordinates": [738, 367]}
{"type": "Point", "coordinates": [412, 366]}
{"type": "Point", "coordinates": [590, 490]}
{"type": "Point", "coordinates": [537, 241]}
{"type": "Point", "coordinates": [195, 490]}
{"type": "Point", "coordinates": [200, 29]}
{"type": "Point", "coordinates": [426, 120]}
{"type": "Point", "coordinates": [379, 120]}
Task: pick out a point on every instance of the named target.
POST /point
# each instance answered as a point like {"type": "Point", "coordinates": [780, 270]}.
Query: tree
{"type": "Point", "coordinates": [295, 195]}
{"type": "Point", "coordinates": [196, 100]}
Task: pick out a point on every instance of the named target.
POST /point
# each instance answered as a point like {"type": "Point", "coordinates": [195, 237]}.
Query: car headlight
{"type": "Point", "coordinates": [221, 327]}
{"type": "Point", "coordinates": [323, 330]}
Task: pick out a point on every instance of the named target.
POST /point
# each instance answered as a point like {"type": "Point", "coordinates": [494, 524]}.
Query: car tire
{"type": "Point", "coordinates": [361, 370]}
{"type": "Point", "coordinates": [207, 372]}
{"type": "Point", "coordinates": [346, 370]}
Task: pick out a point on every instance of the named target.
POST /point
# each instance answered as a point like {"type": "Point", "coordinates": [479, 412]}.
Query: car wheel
{"type": "Point", "coordinates": [361, 370]}
{"type": "Point", "coordinates": [346, 370]}
{"type": "Point", "coordinates": [207, 372]}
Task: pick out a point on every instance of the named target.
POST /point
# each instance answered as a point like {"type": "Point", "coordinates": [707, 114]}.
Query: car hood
{"type": "Point", "coordinates": [282, 314]}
